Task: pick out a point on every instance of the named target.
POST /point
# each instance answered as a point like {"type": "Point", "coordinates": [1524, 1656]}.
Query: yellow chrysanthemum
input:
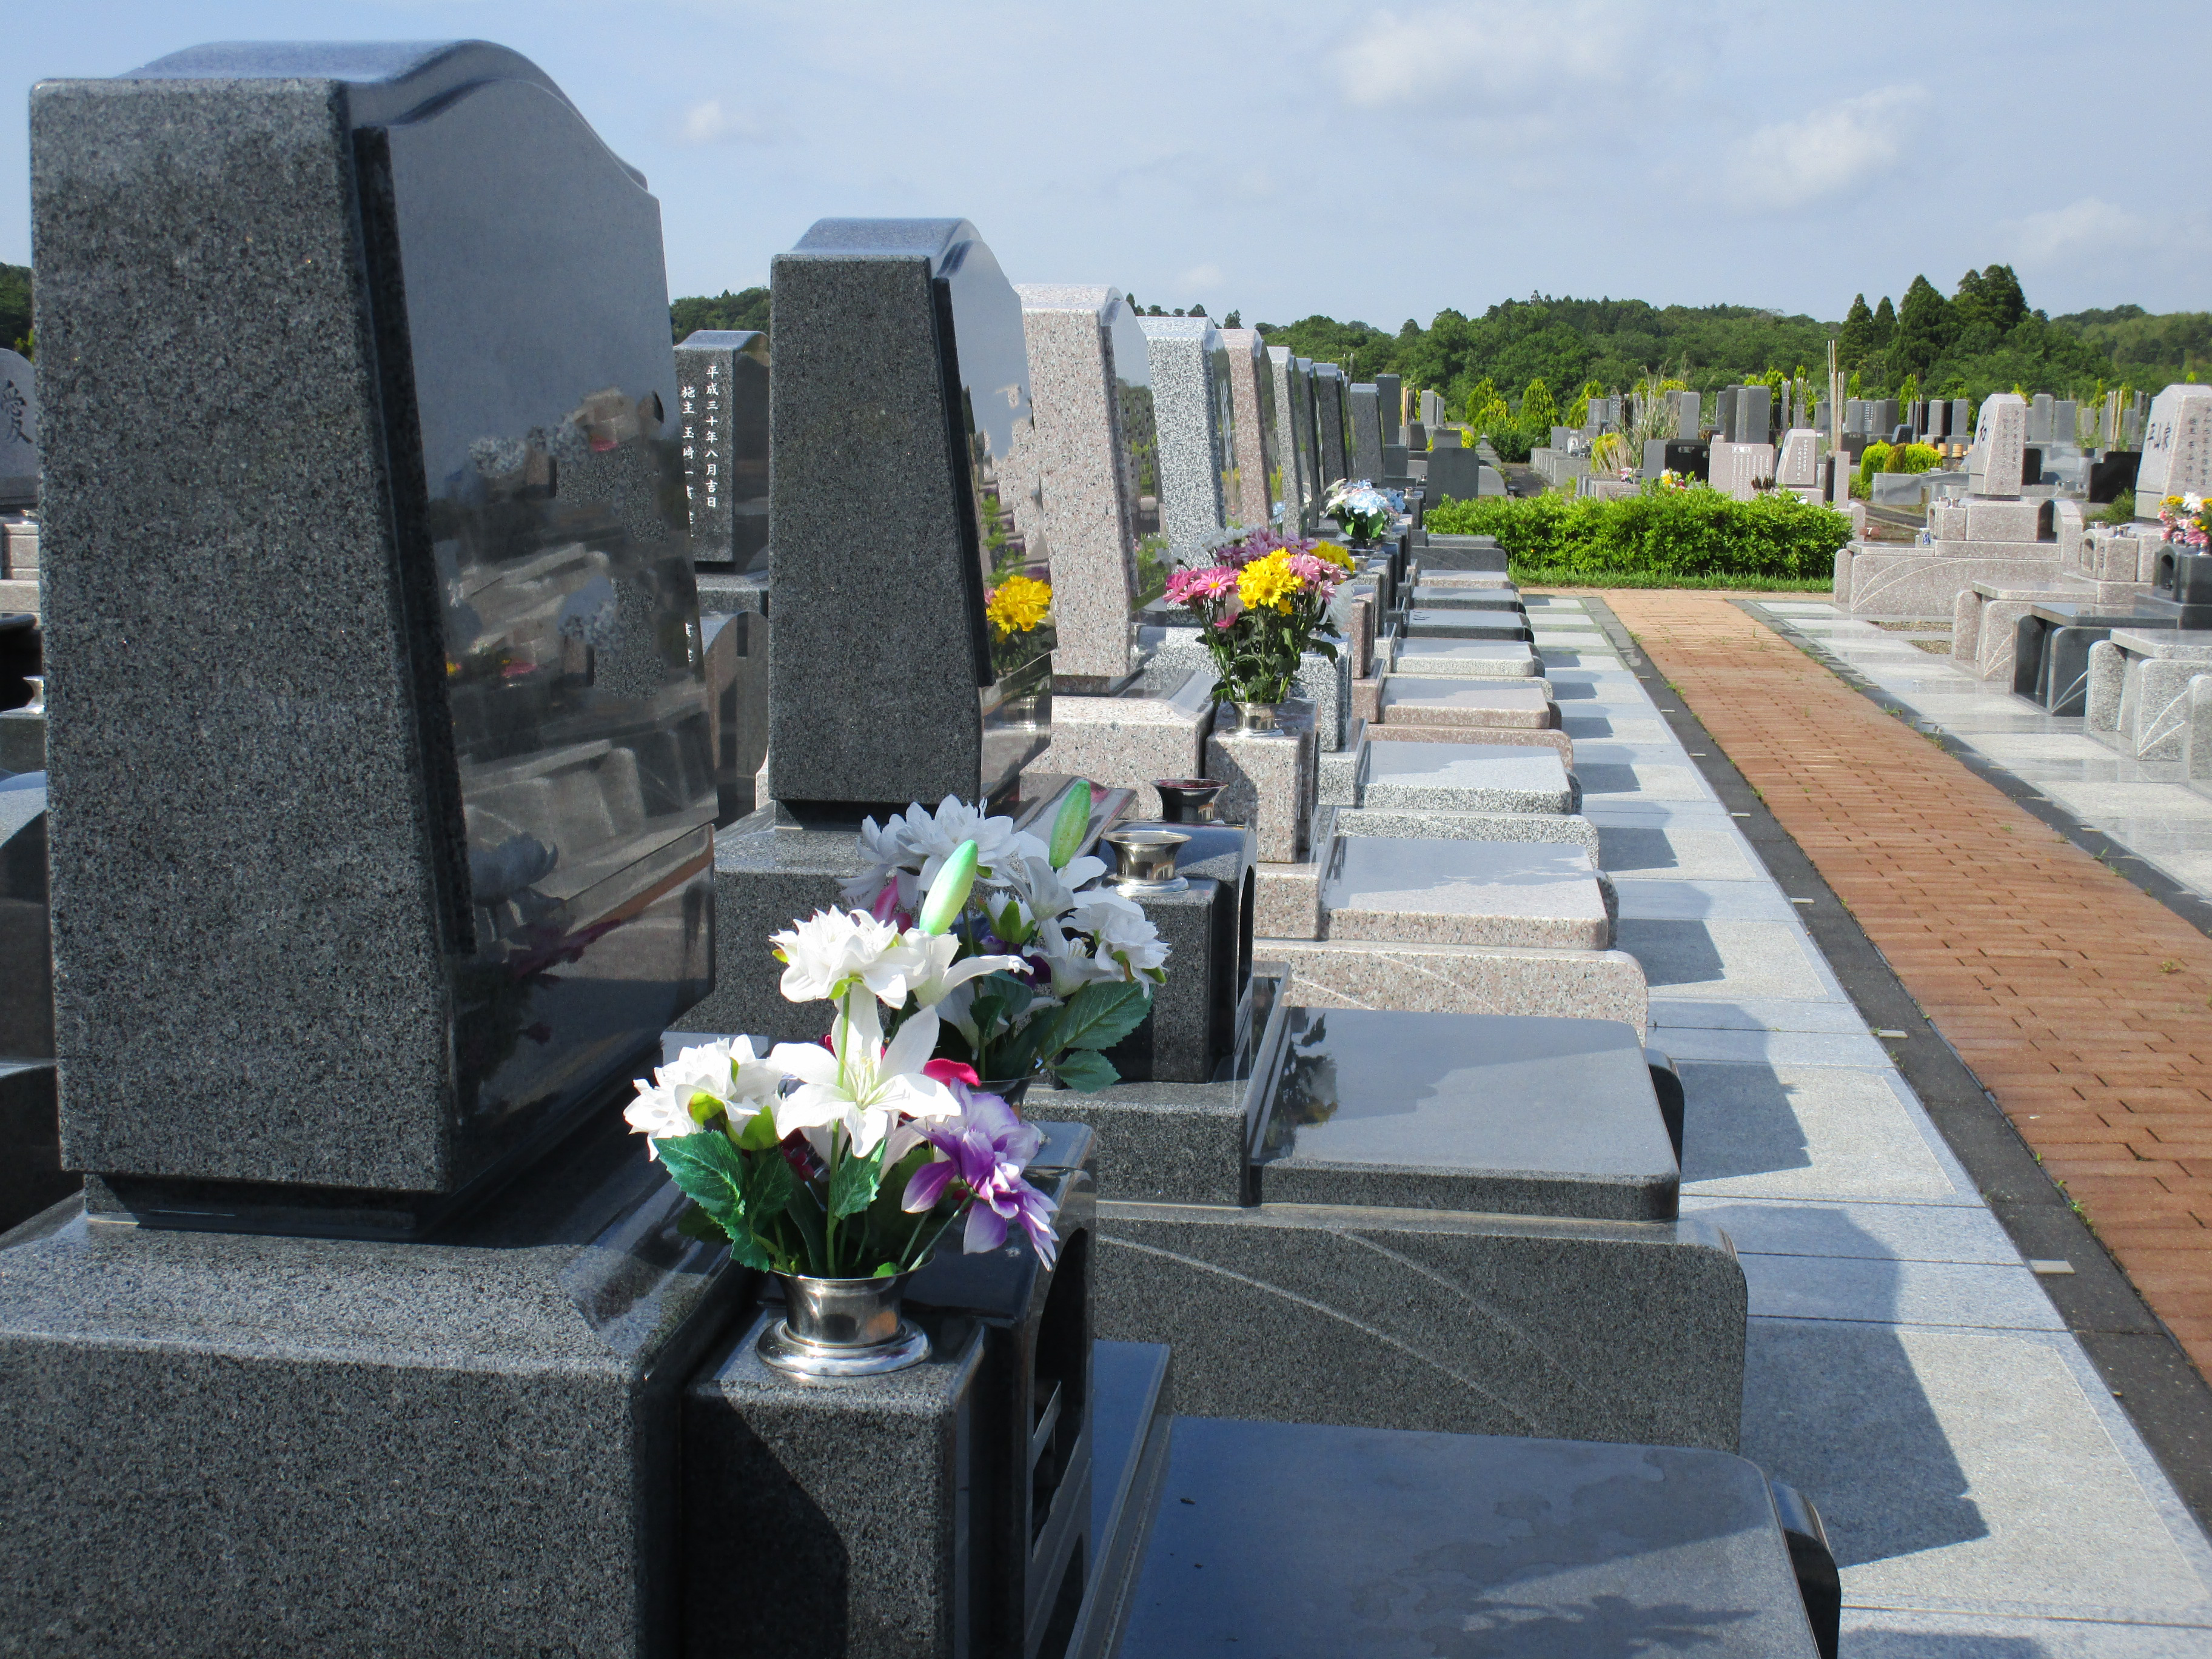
{"type": "Point", "coordinates": [1335, 555]}
{"type": "Point", "coordinates": [1268, 581]}
{"type": "Point", "coordinates": [1017, 605]}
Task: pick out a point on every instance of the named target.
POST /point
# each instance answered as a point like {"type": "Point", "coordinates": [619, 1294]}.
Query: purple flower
{"type": "Point", "coordinates": [981, 1154]}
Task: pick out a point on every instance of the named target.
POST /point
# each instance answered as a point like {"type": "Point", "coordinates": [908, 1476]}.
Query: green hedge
{"type": "Point", "coordinates": [1689, 533]}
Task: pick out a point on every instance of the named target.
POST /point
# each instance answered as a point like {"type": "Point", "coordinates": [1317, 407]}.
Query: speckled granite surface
{"type": "Point", "coordinates": [1406, 890]}
{"type": "Point", "coordinates": [1466, 978]}
{"type": "Point", "coordinates": [1195, 420]}
{"type": "Point", "coordinates": [1570, 828]}
{"type": "Point", "coordinates": [1474, 660]}
{"type": "Point", "coordinates": [1465, 777]}
{"type": "Point", "coordinates": [1269, 784]}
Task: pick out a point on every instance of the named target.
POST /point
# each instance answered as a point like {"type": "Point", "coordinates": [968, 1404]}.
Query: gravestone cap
{"type": "Point", "coordinates": [2177, 447]}
{"type": "Point", "coordinates": [1994, 464]}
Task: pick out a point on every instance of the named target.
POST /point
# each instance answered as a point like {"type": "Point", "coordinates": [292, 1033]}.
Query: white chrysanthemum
{"type": "Point", "coordinates": [725, 1071]}
{"type": "Point", "coordinates": [916, 842]}
{"type": "Point", "coordinates": [658, 1114]}
{"type": "Point", "coordinates": [833, 947]}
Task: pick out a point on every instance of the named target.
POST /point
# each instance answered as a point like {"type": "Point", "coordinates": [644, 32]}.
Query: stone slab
{"type": "Point", "coordinates": [1821, 1133]}
{"type": "Point", "coordinates": [1471, 658]}
{"type": "Point", "coordinates": [1268, 782]}
{"type": "Point", "coordinates": [1286, 901]}
{"type": "Point", "coordinates": [1504, 626]}
{"type": "Point", "coordinates": [1333, 1541]}
{"type": "Point", "coordinates": [1465, 596]}
{"type": "Point", "coordinates": [1129, 742]}
{"type": "Point", "coordinates": [1464, 978]}
{"type": "Point", "coordinates": [1501, 1114]}
{"type": "Point", "coordinates": [1512, 736]}
{"type": "Point", "coordinates": [1570, 829]}
{"type": "Point", "coordinates": [1455, 700]}
{"type": "Point", "coordinates": [1465, 777]}
{"type": "Point", "coordinates": [1463, 892]}
{"type": "Point", "coordinates": [1928, 583]}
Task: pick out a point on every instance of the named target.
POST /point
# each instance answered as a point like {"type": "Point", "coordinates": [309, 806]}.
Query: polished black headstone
{"type": "Point", "coordinates": [900, 399]}
{"type": "Point", "coordinates": [722, 414]}
{"type": "Point", "coordinates": [379, 740]}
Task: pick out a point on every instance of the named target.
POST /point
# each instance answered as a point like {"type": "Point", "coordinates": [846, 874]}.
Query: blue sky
{"type": "Point", "coordinates": [1376, 162]}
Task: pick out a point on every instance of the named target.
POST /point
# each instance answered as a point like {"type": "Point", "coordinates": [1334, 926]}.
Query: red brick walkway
{"type": "Point", "coordinates": [2082, 1003]}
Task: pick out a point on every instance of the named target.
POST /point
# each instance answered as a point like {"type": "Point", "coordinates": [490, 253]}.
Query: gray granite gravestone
{"type": "Point", "coordinates": [1201, 484]}
{"type": "Point", "coordinates": [1098, 470]}
{"type": "Point", "coordinates": [1390, 395]}
{"type": "Point", "coordinates": [890, 522]}
{"type": "Point", "coordinates": [1364, 412]}
{"type": "Point", "coordinates": [721, 393]}
{"type": "Point", "coordinates": [1293, 410]}
{"type": "Point", "coordinates": [381, 812]}
{"type": "Point", "coordinates": [1309, 413]}
{"type": "Point", "coordinates": [1330, 420]}
{"type": "Point", "coordinates": [19, 432]}
{"type": "Point", "coordinates": [1252, 388]}
{"type": "Point", "coordinates": [31, 1176]}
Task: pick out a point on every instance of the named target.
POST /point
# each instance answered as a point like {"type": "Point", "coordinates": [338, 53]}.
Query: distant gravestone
{"type": "Point", "coordinates": [1754, 414]}
{"type": "Point", "coordinates": [1330, 425]}
{"type": "Point", "coordinates": [1961, 421]}
{"type": "Point", "coordinates": [1689, 415]}
{"type": "Point", "coordinates": [1432, 410]}
{"type": "Point", "coordinates": [2065, 421]}
{"type": "Point", "coordinates": [1363, 404]}
{"type": "Point", "coordinates": [1390, 393]}
{"type": "Point", "coordinates": [2177, 447]}
{"type": "Point", "coordinates": [19, 432]}
{"type": "Point", "coordinates": [1201, 486]}
{"type": "Point", "coordinates": [1294, 415]}
{"type": "Point", "coordinates": [2038, 418]}
{"type": "Point", "coordinates": [722, 414]}
{"type": "Point", "coordinates": [2000, 449]}
{"type": "Point", "coordinates": [1795, 467]}
{"type": "Point", "coordinates": [1453, 474]}
{"type": "Point", "coordinates": [1252, 394]}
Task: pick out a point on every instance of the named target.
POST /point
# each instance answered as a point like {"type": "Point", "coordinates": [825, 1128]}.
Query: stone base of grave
{"type": "Point", "coordinates": [2196, 736]}
{"type": "Point", "coordinates": [1466, 776]}
{"type": "Point", "coordinates": [1380, 1318]}
{"type": "Point", "coordinates": [31, 1173]}
{"type": "Point", "coordinates": [1269, 782]}
{"type": "Point", "coordinates": [1480, 659]}
{"type": "Point", "coordinates": [1286, 901]}
{"type": "Point", "coordinates": [1464, 979]}
{"type": "Point", "coordinates": [885, 1513]}
{"type": "Point", "coordinates": [1129, 742]}
{"type": "Point", "coordinates": [1983, 620]}
{"type": "Point", "coordinates": [22, 740]}
{"type": "Point", "coordinates": [235, 1444]}
{"type": "Point", "coordinates": [1436, 890]}
{"type": "Point", "coordinates": [20, 594]}
{"type": "Point", "coordinates": [1644, 1549]}
{"type": "Point", "coordinates": [1927, 581]}
{"type": "Point", "coordinates": [1499, 626]}
{"type": "Point", "coordinates": [1552, 828]}
{"type": "Point", "coordinates": [1512, 736]}
{"type": "Point", "coordinates": [1367, 698]}
{"type": "Point", "coordinates": [2139, 697]}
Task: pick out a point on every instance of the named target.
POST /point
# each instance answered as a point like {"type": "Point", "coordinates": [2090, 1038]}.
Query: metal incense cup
{"type": "Point", "coordinates": [1146, 860]}
{"type": "Point", "coordinates": [1189, 800]}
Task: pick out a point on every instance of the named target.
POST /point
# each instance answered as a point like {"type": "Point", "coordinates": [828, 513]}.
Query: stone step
{"type": "Point", "coordinates": [1465, 777]}
{"type": "Point", "coordinates": [1319, 1540]}
{"type": "Point", "coordinates": [1471, 979]}
{"type": "Point", "coordinates": [1464, 658]}
{"type": "Point", "coordinates": [1452, 700]}
{"type": "Point", "coordinates": [1421, 624]}
{"type": "Point", "coordinates": [1454, 596]}
{"type": "Point", "coordinates": [1393, 889]}
{"type": "Point", "coordinates": [1515, 736]}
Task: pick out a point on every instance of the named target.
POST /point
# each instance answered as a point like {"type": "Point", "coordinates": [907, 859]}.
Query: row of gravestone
{"type": "Point", "coordinates": [382, 852]}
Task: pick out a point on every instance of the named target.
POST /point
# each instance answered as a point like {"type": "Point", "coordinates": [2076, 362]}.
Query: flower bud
{"type": "Point", "coordinates": [948, 894]}
{"type": "Point", "coordinates": [1074, 818]}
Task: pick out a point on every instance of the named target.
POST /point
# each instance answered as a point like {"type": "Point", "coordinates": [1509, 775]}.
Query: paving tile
{"type": "Point", "coordinates": [1785, 1130]}
{"type": "Point", "coordinates": [1729, 959]}
{"type": "Point", "coordinates": [1970, 1471]}
{"type": "Point", "coordinates": [1656, 899]}
{"type": "Point", "coordinates": [1899, 1633]}
{"type": "Point", "coordinates": [1898, 1292]}
{"type": "Point", "coordinates": [1673, 852]}
{"type": "Point", "coordinates": [1686, 1042]}
{"type": "Point", "coordinates": [1756, 1014]}
{"type": "Point", "coordinates": [1896, 1232]}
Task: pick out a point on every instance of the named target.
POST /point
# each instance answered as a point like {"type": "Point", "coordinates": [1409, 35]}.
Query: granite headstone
{"type": "Point", "coordinates": [1332, 422]}
{"type": "Point", "coordinates": [1252, 388]}
{"type": "Point", "coordinates": [1201, 489]}
{"type": "Point", "coordinates": [721, 391]}
{"type": "Point", "coordinates": [902, 494]}
{"type": "Point", "coordinates": [1363, 405]}
{"type": "Point", "coordinates": [1993, 465]}
{"type": "Point", "coordinates": [19, 432]}
{"type": "Point", "coordinates": [2177, 447]}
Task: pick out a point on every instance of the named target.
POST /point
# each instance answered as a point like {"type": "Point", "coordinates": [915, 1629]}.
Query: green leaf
{"type": "Point", "coordinates": [853, 1185]}
{"type": "Point", "coordinates": [759, 1132]}
{"type": "Point", "coordinates": [711, 1173]}
{"type": "Point", "coordinates": [768, 1188]}
{"type": "Point", "coordinates": [889, 1269]}
{"type": "Point", "coordinates": [1099, 1015]}
{"type": "Point", "coordinates": [1086, 1070]}
{"type": "Point", "coordinates": [696, 1222]}
{"type": "Point", "coordinates": [806, 1214]}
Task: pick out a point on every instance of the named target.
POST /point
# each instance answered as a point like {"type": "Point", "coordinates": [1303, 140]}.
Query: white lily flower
{"type": "Point", "coordinates": [832, 947]}
{"type": "Point", "coordinates": [658, 1114]}
{"type": "Point", "coordinates": [939, 973]}
{"type": "Point", "coordinates": [863, 1087]}
{"type": "Point", "coordinates": [1050, 892]}
{"type": "Point", "coordinates": [914, 844]}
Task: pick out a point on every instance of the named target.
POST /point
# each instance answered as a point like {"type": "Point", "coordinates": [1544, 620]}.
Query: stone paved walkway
{"type": "Point", "coordinates": [2083, 1004]}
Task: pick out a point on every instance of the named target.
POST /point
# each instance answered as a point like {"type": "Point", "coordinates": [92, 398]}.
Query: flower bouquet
{"type": "Point", "coordinates": [840, 1165]}
{"type": "Point", "coordinates": [1041, 969]}
{"type": "Point", "coordinates": [2188, 520]}
{"type": "Point", "coordinates": [1259, 609]}
{"type": "Point", "coordinates": [1361, 511]}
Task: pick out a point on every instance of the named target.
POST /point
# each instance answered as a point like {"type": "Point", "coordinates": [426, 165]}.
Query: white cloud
{"type": "Point", "coordinates": [1828, 152]}
{"type": "Point", "coordinates": [710, 123]}
{"type": "Point", "coordinates": [1202, 276]}
{"type": "Point", "coordinates": [2078, 228]}
{"type": "Point", "coordinates": [1485, 52]}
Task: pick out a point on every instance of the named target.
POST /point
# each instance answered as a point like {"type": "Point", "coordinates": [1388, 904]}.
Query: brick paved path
{"type": "Point", "coordinates": [2080, 1002]}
